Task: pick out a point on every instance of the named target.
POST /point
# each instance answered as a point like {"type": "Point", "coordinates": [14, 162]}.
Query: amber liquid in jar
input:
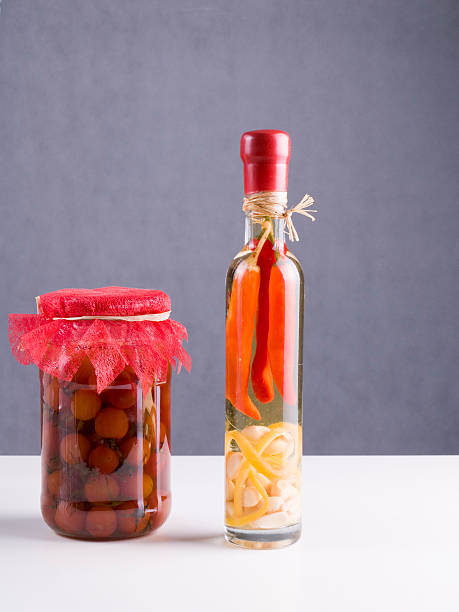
{"type": "Point", "coordinates": [105, 457]}
{"type": "Point", "coordinates": [264, 337]}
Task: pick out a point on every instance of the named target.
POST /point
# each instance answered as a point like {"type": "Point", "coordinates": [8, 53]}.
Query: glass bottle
{"type": "Point", "coordinates": [264, 345]}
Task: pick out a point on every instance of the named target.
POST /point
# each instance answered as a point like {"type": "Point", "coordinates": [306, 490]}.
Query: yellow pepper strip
{"type": "Point", "coordinates": [256, 514]}
{"type": "Point", "coordinates": [258, 486]}
{"type": "Point", "coordinates": [253, 457]}
{"type": "Point", "coordinates": [295, 430]}
{"type": "Point", "coordinates": [264, 442]}
{"type": "Point", "coordinates": [278, 462]}
{"type": "Point", "coordinates": [287, 469]}
{"type": "Point", "coordinates": [240, 480]}
{"type": "Point", "coordinates": [285, 425]}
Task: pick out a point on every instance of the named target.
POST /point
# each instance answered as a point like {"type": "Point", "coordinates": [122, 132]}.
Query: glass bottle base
{"type": "Point", "coordinates": [263, 539]}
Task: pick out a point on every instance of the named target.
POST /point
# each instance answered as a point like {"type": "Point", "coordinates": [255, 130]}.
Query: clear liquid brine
{"type": "Point", "coordinates": [264, 343]}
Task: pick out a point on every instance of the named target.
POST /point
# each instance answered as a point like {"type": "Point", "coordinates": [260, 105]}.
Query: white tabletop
{"type": "Point", "coordinates": [379, 534]}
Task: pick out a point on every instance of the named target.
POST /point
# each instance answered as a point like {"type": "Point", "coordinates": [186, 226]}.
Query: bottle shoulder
{"type": "Point", "coordinates": [286, 259]}
{"type": "Point", "coordinates": [237, 261]}
{"type": "Point", "coordinates": [295, 263]}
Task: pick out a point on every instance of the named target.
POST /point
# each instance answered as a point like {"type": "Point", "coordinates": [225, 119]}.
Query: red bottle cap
{"type": "Point", "coordinates": [265, 155]}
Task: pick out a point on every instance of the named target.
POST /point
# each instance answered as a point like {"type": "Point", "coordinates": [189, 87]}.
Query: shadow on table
{"type": "Point", "coordinates": [25, 527]}
{"type": "Point", "coordinates": [34, 528]}
{"type": "Point", "coordinates": [214, 540]}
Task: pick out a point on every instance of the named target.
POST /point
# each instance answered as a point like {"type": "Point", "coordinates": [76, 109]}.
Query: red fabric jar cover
{"type": "Point", "coordinates": [58, 345]}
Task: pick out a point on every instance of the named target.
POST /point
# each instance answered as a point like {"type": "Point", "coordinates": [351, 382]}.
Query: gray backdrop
{"type": "Point", "coordinates": [119, 130]}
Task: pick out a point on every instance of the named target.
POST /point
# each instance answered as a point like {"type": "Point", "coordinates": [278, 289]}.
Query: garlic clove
{"type": "Point", "coordinates": [292, 506]}
{"type": "Point", "coordinates": [229, 490]}
{"type": "Point", "coordinates": [274, 504]}
{"type": "Point", "coordinates": [284, 489]}
{"type": "Point", "coordinates": [254, 432]}
{"type": "Point", "coordinates": [271, 521]}
{"type": "Point", "coordinates": [292, 480]}
{"type": "Point", "coordinates": [250, 497]}
{"type": "Point", "coordinates": [233, 463]}
{"type": "Point", "coordinates": [279, 445]}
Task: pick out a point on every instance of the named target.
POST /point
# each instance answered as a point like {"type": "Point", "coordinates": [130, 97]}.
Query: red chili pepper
{"type": "Point", "coordinates": [282, 329]}
{"type": "Point", "coordinates": [240, 325]}
{"type": "Point", "coordinates": [262, 378]}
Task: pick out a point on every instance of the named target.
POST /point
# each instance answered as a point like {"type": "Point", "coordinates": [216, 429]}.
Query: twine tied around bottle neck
{"type": "Point", "coordinates": [274, 204]}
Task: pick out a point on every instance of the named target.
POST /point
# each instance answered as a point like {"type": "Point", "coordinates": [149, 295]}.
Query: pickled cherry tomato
{"type": "Point", "coordinates": [85, 370]}
{"type": "Point", "coordinates": [85, 404]}
{"type": "Point", "coordinates": [101, 489]}
{"type": "Point", "coordinates": [147, 485]}
{"type": "Point", "coordinates": [111, 423]}
{"type": "Point", "coordinates": [51, 392]}
{"type": "Point", "coordinates": [122, 398]}
{"type": "Point", "coordinates": [92, 381]}
{"type": "Point", "coordinates": [131, 518]}
{"type": "Point", "coordinates": [130, 450]}
{"type": "Point", "coordinates": [129, 486]}
{"type": "Point", "coordinates": [101, 522]}
{"type": "Point", "coordinates": [74, 448]}
{"type": "Point", "coordinates": [132, 414]}
{"type": "Point", "coordinates": [104, 459]}
{"type": "Point", "coordinates": [54, 482]}
{"type": "Point", "coordinates": [127, 377]}
{"type": "Point", "coordinates": [142, 523]}
{"type": "Point", "coordinates": [127, 517]}
{"type": "Point", "coordinates": [48, 509]}
{"type": "Point", "coordinates": [122, 393]}
{"type": "Point", "coordinates": [69, 518]}
{"type": "Point", "coordinates": [67, 483]}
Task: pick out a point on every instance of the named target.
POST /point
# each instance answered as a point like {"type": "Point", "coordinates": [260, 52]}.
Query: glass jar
{"type": "Point", "coordinates": [105, 457]}
{"type": "Point", "coordinates": [105, 361]}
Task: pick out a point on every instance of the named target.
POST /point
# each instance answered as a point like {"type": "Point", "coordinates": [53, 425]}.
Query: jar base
{"type": "Point", "coordinates": [114, 538]}
{"type": "Point", "coordinates": [263, 539]}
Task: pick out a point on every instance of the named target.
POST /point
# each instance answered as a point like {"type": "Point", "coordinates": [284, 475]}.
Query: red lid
{"type": "Point", "coordinates": [265, 155]}
{"type": "Point", "coordinates": [103, 301]}
{"type": "Point", "coordinates": [58, 344]}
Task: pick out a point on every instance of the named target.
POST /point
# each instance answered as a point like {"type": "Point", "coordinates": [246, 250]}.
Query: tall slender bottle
{"type": "Point", "coordinates": [264, 345]}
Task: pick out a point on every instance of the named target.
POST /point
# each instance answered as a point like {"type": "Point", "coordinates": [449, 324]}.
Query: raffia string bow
{"type": "Point", "coordinates": [274, 204]}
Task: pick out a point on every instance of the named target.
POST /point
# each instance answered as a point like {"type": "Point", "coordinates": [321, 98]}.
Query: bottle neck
{"type": "Point", "coordinates": [255, 228]}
